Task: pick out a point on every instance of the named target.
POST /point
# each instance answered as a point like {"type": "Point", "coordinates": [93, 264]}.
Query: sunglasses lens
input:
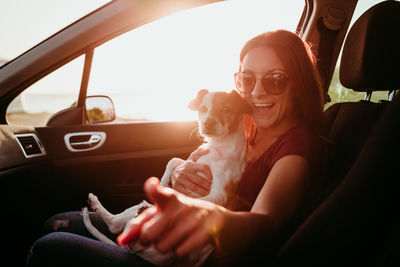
{"type": "Point", "coordinates": [275, 83]}
{"type": "Point", "coordinates": [244, 82]}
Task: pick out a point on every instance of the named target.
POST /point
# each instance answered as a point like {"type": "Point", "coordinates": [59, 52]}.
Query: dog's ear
{"type": "Point", "coordinates": [240, 103]}
{"type": "Point", "coordinates": [195, 103]}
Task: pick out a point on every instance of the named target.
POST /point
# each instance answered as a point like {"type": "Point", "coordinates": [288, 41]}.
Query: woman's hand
{"type": "Point", "coordinates": [192, 178]}
{"type": "Point", "coordinates": [176, 223]}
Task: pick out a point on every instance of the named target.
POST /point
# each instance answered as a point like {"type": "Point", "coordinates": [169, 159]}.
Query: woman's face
{"type": "Point", "coordinates": [269, 111]}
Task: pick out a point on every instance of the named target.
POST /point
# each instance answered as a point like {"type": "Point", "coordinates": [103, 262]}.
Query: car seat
{"type": "Point", "coordinates": [369, 63]}
{"type": "Point", "coordinates": [358, 222]}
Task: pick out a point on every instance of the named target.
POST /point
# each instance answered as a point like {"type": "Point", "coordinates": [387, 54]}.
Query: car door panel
{"type": "Point", "coordinates": [116, 170]}
{"type": "Point", "coordinates": [26, 193]}
{"type": "Point", "coordinates": [33, 189]}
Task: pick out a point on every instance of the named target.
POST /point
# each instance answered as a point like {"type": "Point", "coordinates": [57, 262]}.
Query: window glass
{"type": "Point", "coordinates": [339, 93]}
{"type": "Point", "coordinates": [151, 73]}
{"type": "Point", "coordinates": [54, 92]}
{"type": "Point", "coordinates": [25, 23]}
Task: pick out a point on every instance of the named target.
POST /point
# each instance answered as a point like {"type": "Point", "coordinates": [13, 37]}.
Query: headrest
{"type": "Point", "coordinates": [371, 53]}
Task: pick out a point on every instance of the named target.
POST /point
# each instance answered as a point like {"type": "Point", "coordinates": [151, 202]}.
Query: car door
{"type": "Point", "coordinates": [45, 165]}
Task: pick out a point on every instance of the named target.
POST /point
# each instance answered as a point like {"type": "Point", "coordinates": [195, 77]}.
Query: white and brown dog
{"type": "Point", "coordinates": [221, 124]}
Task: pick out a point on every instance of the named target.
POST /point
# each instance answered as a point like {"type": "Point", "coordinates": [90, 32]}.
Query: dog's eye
{"type": "Point", "coordinates": [203, 109]}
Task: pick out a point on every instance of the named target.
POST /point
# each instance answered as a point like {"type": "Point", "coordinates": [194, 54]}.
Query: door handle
{"type": "Point", "coordinates": [84, 141]}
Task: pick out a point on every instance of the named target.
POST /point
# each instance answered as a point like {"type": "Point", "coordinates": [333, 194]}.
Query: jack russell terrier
{"type": "Point", "coordinates": [220, 118]}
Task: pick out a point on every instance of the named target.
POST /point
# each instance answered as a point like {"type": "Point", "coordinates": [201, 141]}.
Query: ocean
{"type": "Point", "coordinates": [127, 106]}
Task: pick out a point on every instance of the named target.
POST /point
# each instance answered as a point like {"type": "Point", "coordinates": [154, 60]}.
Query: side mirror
{"type": "Point", "coordinates": [99, 108]}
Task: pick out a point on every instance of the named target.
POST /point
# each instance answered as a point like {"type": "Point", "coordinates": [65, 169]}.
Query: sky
{"type": "Point", "coordinates": [24, 23]}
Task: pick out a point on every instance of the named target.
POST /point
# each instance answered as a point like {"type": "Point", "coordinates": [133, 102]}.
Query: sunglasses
{"type": "Point", "coordinates": [273, 83]}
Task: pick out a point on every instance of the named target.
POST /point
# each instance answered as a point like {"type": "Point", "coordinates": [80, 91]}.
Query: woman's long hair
{"type": "Point", "coordinates": [300, 65]}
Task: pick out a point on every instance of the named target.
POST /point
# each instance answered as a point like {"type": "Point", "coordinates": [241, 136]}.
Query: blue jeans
{"type": "Point", "coordinates": [67, 243]}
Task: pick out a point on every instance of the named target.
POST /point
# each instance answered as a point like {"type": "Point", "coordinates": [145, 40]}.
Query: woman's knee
{"type": "Point", "coordinates": [48, 250]}
{"type": "Point", "coordinates": [72, 222]}
{"type": "Point", "coordinates": [67, 249]}
{"type": "Point", "coordinates": [60, 222]}
{"type": "Point", "coordinates": [62, 249]}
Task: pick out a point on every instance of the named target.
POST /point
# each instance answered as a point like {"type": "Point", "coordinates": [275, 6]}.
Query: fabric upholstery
{"type": "Point", "coordinates": [352, 225]}
{"type": "Point", "coordinates": [370, 58]}
{"type": "Point", "coordinates": [359, 218]}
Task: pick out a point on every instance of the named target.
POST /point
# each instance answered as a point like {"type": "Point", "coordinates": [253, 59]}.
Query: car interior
{"type": "Point", "coordinates": [357, 223]}
{"type": "Point", "coordinates": [49, 169]}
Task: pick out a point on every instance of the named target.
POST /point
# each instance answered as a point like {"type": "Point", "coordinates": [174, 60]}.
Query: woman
{"type": "Point", "coordinates": [278, 78]}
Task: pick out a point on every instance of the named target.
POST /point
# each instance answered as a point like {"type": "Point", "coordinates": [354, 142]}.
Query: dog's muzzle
{"type": "Point", "coordinates": [209, 124]}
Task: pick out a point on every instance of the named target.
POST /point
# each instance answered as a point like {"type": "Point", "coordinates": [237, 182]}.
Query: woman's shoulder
{"type": "Point", "coordinates": [298, 132]}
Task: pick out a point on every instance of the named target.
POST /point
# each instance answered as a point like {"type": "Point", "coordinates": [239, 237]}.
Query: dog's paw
{"type": "Point", "coordinates": [93, 202]}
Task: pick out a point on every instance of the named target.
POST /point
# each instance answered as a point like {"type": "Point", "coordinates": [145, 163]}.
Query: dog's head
{"type": "Point", "coordinates": [220, 113]}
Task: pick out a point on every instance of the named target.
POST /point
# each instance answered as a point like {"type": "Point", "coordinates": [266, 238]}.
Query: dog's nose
{"type": "Point", "coordinates": [209, 124]}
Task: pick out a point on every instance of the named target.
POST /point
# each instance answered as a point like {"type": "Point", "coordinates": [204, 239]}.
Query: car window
{"type": "Point", "coordinates": [54, 92]}
{"type": "Point", "coordinates": [339, 93]}
{"type": "Point", "coordinates": [152, 72]}
{"type": "Point", "coordinates": [36, 21]}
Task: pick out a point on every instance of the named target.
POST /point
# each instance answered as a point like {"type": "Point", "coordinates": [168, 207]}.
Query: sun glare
{"type": "Point", "coordinates": [151, 73]}
{"type": "Point", "coordinates": [154, 71]}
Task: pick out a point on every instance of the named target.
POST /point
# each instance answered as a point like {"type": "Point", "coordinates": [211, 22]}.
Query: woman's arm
{"type": "Point", "coordinates": [284, 189]}
{"type": "Point", "coordinates": [185, 178]}
{"type": "Point", "coordinates": [275, 205]}
{"type": "Point", "coordinates": [185, 224]}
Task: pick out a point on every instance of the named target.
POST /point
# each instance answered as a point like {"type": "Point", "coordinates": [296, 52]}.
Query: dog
{"type": "Point", "coordinates": [220, 121]}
